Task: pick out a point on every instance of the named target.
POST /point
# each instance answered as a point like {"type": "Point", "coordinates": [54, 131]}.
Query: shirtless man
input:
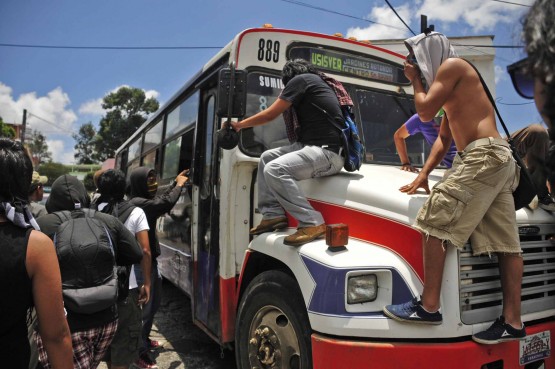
{"type": "Point", "coordinates": [474, 199]}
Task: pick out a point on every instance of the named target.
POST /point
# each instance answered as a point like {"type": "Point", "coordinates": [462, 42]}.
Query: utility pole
{"type": "Point", "coordinates": [424, 24]}
{"type": "Point", "coordinates": [23, 126]}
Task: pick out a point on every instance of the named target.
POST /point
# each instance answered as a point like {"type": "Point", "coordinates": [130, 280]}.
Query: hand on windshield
{"type": "Point", "coordinates": [409, 168]}
{"type": "Point", "coordinates": [421, 181]}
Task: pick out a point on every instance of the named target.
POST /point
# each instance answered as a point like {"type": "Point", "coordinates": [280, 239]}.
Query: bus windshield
{"type": "Point", "coordinates": [380, 114]}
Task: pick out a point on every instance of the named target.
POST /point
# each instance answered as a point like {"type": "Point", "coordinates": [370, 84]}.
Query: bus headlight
{"type": "Point", "coordinates": [362, 288]}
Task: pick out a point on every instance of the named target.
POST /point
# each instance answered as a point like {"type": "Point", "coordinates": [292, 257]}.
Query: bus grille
{"type": "Point", "coordinates": [480, 286]}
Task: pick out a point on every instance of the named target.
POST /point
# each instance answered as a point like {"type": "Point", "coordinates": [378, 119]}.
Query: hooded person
{"type": "Point", "coordinates": [124, 349]}
{"type": "Point", "coordinates": [484, 175]}
{"type": "Point", "coordinates": [430, 50]}
{"type": "Point", "coordinates": [143, 188]}
{"type": "Point", "coordinates": [92, 331]}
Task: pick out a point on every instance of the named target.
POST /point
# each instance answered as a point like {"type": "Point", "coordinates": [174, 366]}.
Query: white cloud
{"type": "Point", "coordinates": [476, 15]}
{"type": "Point", "coordinates": [385, 16]}
{"type": "Point", "coordinates": [50, 113]}
{"type": "Point", "coordinates": [480, 15]}
{"type": "Point", "coordinates": [152, 93]}
{"type": "Point", "coordinates": [59, 152]}
{"type": "Point", "coordinates": [94, 107]}
{"type": "Point", "coordinates": [500, 74]}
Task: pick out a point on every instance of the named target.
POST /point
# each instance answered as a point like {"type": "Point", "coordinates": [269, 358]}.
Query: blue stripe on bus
{"type": "Point", "coordinates": [328, 297]}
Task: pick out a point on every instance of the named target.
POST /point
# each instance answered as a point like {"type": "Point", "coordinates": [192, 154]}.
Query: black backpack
{"type": "Point", "coordinates": [87, 262]}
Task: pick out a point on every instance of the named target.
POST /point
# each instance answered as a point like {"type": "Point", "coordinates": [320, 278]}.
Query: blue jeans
{"type": "Point", "coordinates": [278, 172]}
{"type": "Point", "coordinates": [150, 309]}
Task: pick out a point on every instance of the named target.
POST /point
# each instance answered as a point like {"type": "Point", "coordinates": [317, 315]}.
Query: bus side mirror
{"type": "Point", "coordinates": [232, 93]}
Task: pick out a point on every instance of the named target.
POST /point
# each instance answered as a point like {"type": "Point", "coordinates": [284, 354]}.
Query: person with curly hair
{"type": "Point", "coordinates": [534, 76]}
{"type": "Point", "coordinates": [309, 103]}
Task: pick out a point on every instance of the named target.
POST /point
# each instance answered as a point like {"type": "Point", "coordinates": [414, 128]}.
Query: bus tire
{"type": "Point", "coordinates": [272, 327]}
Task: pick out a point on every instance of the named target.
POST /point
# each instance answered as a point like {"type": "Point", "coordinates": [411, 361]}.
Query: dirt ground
{"type": "Point", "coordinates": [184, 345]}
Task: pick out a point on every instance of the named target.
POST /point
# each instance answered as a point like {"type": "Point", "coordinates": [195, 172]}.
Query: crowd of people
{"type": "Point", "coordinates": [103, 253]}
{"type": "Point", "coordinates": [45, 247]}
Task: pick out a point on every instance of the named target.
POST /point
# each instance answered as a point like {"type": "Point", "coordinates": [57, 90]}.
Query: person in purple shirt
{"type": "Point", "coordinates": [430, 131]}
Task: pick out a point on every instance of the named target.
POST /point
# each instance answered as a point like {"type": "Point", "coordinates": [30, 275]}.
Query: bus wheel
{"type": "Point", "coordinates": [272, 328]}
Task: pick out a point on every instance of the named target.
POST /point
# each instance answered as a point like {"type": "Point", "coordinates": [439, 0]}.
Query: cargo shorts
{"type": "Point", "coordinates": [474, 200]}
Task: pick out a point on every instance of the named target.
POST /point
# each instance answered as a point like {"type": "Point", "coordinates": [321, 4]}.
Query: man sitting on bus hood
{"type": "Point", "coordinates": [307, 103]}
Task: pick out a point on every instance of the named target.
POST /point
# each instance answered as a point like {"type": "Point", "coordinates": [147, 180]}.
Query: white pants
{"type": "Point", "coordinates": [278, 172]}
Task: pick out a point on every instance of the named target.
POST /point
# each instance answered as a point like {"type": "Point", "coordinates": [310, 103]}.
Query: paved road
{"type": "Point", "coordinates": [184, 345]}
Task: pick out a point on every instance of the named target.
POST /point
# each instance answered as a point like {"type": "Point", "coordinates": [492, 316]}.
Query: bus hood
{"type": "Point", "coordinates": [375, 189]}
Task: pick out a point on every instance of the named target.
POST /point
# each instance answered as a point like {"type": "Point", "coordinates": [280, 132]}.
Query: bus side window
{"type": "Point", "coordinates": [186, 155]}
{"type": "Point", "coordinates": [149, 160]}
{"type": "Point", "coordinates": [171, 158]}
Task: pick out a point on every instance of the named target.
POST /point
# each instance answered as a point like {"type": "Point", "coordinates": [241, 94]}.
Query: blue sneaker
{"type": "Point", "coordinates": [498, 332]}
{"type": "Point", "coordinates": [412, 312]}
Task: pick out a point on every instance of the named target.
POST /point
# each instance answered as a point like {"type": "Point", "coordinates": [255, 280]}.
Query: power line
{"type": "Point", "coordinates": [398, 16]}
{"type": "Point", "coordinates": [493, 46]}
{"type": "Point", "coordinates": [187, 47]}
{"type": "Point", "coordinates": [113, 47]}
{"type": "Point", "coordinates": [509, 2]}
{"type": "Point", "coordinates": [49, 122]}
{"type": "Point", "coordinates": [300, 3]}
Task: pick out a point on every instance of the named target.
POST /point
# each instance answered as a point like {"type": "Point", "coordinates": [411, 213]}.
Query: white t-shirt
{"type": "Point", "coordinates": [135, 223]}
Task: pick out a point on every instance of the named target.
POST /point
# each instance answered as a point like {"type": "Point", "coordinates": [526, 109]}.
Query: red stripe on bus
{"type": "Point", "coordinates": [228, 308]}
{"type": "Point", "coordinates": [400, 238]}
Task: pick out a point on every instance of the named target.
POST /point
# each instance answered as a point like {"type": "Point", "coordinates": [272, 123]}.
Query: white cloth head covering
{"type": "Point", "coordinates": [430, 50]}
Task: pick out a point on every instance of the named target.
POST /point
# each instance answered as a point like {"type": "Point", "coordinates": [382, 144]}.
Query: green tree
{"type": "Point", "coordinates": [127, 109]}
{"type": "Point", "coordinates": [39, 148]}
{"type": "Point", "coordinates": [88, 181]}
{"type": "Point", "coordinates": [53, 171]}
{"type": "Point", "coordinates": [6, 130]}
{"type": "Point", "coordinates": [84, 149]}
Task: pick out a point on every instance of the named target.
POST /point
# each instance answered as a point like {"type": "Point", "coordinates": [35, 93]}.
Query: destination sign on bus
{"type": "Point", "coordinates": [355, 65]}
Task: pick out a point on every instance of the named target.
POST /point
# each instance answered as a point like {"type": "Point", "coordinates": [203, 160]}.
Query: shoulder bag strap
{"type": "Point", "coordinates": [492, 102]}
{"type": "Point", "coordinates": [331, 119]}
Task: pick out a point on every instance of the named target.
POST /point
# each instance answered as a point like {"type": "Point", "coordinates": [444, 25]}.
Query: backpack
{"type": "Point", "coordinates": [87, 262]}
{"type": "Point", "coordinates": [352, 145]}
{"type": "Point", "coordinates": [353, 149]}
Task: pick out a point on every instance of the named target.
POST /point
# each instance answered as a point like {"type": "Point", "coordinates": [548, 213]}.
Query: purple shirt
{"type": "Point", "coordinates": [430, 130]}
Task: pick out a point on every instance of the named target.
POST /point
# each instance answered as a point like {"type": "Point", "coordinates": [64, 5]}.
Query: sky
{"type": "Point", "coordinates": [62, 89]}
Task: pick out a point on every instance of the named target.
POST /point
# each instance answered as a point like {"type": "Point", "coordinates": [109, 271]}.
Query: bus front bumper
{"type": "Point", "coordinates": [334, 353]}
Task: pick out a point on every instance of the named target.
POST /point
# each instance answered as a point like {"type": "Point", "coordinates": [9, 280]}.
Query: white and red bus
{"type": "Point", "coordinates": [316, 306]}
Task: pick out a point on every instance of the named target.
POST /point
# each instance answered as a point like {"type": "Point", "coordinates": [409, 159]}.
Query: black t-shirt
{"type": "Point", "coordinates": [16, 296]}
{"type": "Point", "coordinates": [305, 90]}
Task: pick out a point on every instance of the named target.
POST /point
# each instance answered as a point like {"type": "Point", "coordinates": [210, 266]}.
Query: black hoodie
{"type": "Point", "coordinates": [68, 193]}
{"type": "Point", "coordinates": [153, 207]}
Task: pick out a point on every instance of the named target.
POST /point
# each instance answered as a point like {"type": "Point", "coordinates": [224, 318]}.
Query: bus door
{"type": "Point", "coordinates": [206, 272]}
